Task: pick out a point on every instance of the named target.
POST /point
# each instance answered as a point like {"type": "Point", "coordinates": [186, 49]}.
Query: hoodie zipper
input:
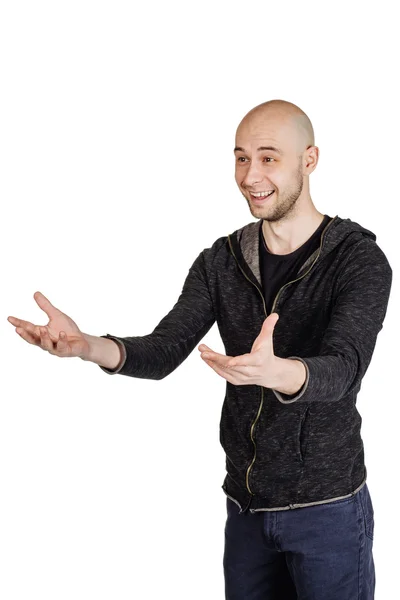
{"type": "Point", "coordinates": [316, 258]}
{"type": "Point", "coordinates": [272, 310]}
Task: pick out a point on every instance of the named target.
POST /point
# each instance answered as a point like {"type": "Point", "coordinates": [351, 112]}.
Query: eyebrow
{"type": "Point", "coordinates": [272, 148]}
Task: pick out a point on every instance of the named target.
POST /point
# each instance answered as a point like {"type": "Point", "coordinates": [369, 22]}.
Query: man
{"type": "Point", "coordinates": [299, 298]}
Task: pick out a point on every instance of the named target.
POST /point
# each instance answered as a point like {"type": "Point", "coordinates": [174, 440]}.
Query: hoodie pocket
{"type": "Point", "coordinates": [304, 432]}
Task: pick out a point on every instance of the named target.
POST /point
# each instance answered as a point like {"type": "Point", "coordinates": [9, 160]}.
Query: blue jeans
{"type": "Point", "coordinates": [320, 552]}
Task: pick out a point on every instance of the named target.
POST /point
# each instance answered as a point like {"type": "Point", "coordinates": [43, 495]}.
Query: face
{"type": "Point", "coordinates": [266, 159]}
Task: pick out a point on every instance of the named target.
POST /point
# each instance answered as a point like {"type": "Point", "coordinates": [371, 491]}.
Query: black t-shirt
{"type": "Point", "coordinates": [278, 269]}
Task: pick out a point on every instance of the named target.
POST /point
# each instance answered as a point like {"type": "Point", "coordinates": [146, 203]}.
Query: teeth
{"type": "Point", "coordinates": [260, 194]}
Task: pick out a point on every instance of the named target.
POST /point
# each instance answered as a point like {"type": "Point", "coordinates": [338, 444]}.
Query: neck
{"type": "Point", "coordinates": [285, 236]}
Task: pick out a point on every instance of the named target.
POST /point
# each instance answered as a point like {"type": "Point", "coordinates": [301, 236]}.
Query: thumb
{"type": "Point", "coordinates": [264, 338]}
{"type": "Point", "coordinates": [269, 324]}
{"type": "Point", "coordinates": [45, 304]}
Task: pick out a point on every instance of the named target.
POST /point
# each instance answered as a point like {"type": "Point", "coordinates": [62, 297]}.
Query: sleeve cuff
{"type": "Point", "coordinates": [289, 398]}
{"type": "Point", "coordinates": [123, 356]}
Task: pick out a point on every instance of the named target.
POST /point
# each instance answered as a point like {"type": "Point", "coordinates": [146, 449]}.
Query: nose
{"type": "Point", "coordinates": [252, 177]}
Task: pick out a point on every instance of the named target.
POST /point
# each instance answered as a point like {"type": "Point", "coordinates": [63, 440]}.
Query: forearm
{"type": "Point", "coordinates": [103, 351]}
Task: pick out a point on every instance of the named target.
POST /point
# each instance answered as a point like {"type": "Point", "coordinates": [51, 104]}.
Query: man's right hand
{"type": "Point", "coordinates": [61, 336]}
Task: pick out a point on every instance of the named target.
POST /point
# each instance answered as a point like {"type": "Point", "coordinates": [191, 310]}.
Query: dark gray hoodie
{"type": "Point", "coordinates": [282, 451]}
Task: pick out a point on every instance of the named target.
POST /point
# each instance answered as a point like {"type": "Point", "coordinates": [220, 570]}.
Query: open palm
{"type": "Point", "coordinates": [61, 336]}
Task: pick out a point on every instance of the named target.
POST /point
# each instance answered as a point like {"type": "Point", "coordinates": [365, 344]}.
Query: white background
{"type": "Point", "coordinates": [117, 169]}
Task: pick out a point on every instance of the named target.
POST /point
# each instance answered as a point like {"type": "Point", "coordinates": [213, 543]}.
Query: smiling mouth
{"type": "Point", "coordinates": [261, 199]}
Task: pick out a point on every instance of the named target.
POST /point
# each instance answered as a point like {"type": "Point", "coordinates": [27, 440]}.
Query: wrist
{"type": "Point", "coordinates": [290, 375]}
{"type": "Point", "coordinates": [102, 351]}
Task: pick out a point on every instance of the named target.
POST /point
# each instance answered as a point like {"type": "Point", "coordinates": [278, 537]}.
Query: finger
{"type": "Point", "coordinates": [54, 338]}
{"type": "Point", "coordinates": [46, 342]}
{"type": "Point", "coordinates": [243, 370]}
{"type": "Point", "coordinates": [62, 343]}
{"type": "Point", "coordinates": [25, 324]}
{"type": "Point", "coordinates": [203, 348]}
{"type": "Point", "coordinates": [28, 337]}
{"type": "Point", "coordinates": [244, 360]}
{"type": "Point", "coordinates": [241, 373]}
{"type": "Point", "coordinates": [222, 359]}
{"type": "Point", "coordinates": [29, 328]}
{"type": "Point", "coordinates": [225, 374]}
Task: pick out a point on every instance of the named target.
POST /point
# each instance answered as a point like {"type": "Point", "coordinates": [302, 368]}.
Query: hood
{"type": "Point", "coordinates": [244, 243]}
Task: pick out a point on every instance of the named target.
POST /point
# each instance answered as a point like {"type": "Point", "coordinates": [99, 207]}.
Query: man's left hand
{"type": "Point", "coordinates": [259, 367]}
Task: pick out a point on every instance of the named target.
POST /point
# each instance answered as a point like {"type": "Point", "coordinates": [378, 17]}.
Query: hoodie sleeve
{"type": "Point", "coordinates": [361, 297]}
{"type": "Point", "coordinates": [156, 355]}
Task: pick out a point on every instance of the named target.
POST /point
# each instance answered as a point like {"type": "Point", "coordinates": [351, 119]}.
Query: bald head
{"type": "Point", "coordinates": [284, 116]}
{"type": "Point", "coordinates": [275, 152]}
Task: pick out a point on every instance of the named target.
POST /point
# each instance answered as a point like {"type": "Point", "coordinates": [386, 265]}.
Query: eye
{"type": "Point", "coordinates": [242, 158]}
